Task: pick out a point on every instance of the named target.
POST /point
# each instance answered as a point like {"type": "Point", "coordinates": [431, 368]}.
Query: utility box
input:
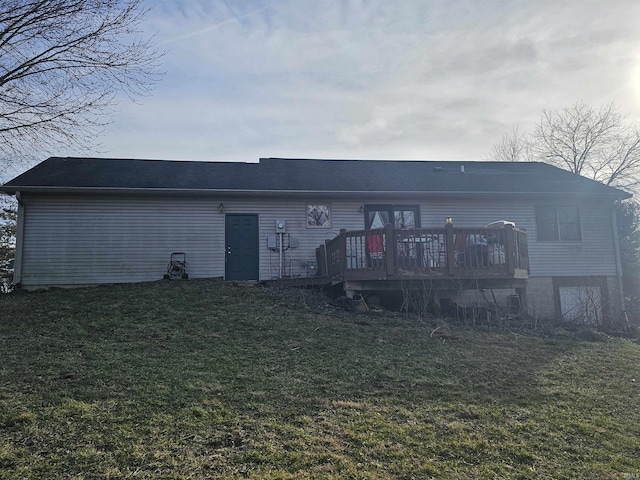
{"type": "Point", "coordinates": [281, 226]}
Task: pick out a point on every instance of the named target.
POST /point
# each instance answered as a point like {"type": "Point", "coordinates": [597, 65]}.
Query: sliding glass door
{"type": "Point", "coordinates": [401, 216]}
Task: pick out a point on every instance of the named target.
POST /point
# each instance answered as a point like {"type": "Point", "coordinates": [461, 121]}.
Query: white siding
{"type": "Point", "coordinates": [82, 240]}
{"type": "Point", "coordinates": [85, 240]}
{"type": "Point", "coordinates": [593, 255]}
{"type": "Point", "coordinates": [75, 240]}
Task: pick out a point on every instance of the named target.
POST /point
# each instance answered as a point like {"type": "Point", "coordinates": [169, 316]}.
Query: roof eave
{"type": "Point", "coordinates": [12, 189]}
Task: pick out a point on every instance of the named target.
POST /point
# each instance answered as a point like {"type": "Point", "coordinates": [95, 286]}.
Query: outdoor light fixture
{"type": "Point", "coordinates": [449, 221]}
{"type": "Point", "coordinates": [221, 208]}
{"type": "Point", "coordinates": [361, 209]}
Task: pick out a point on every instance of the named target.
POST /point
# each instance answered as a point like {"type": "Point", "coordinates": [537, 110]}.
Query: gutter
{"type": "Point", "coordinates": [285, 193]}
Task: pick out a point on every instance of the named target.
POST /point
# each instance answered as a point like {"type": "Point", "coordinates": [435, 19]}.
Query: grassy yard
{"type": "Point", "coordinates": [202, 379]}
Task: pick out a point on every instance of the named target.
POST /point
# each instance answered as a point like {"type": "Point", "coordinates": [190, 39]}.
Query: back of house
{"type": "Point", "coordinates": [86, 221]}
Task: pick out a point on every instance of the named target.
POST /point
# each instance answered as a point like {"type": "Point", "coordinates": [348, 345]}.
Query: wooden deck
{"type": "Point", "coordinates": [466, 257]}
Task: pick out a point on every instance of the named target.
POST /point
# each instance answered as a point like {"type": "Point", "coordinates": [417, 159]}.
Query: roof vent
{"type": "Point", "coordinates": [437, 169]}
{"type": "Point", "coordinates": [461, 168]}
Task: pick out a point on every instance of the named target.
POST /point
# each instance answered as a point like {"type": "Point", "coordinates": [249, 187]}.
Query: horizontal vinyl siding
{"type": "Point", "coordinates": [73, 240]}
{"type": "Point", "coordinates": [89, 240]}
{"type": "Point", "coordinates": [593, 255]}
{"type": "Point", "coordinates": [84, 240]}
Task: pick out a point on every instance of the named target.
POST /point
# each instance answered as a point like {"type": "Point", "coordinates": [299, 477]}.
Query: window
{"type": "Point", "coordinates": [402, 216]}
{"type": "Point", "coordinates": [318, 216]}
{"type": "Point", "coordinates": [558, 223]}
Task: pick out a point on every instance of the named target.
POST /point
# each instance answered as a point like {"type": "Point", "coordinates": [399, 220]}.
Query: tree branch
{"type": "Point", "coordinates": [62, 63]}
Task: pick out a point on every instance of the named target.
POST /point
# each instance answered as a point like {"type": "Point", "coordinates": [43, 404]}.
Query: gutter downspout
{"type": "Point", "coordinates": [616, 248]}
{"type": "Point", "coordinates": [17, 264]}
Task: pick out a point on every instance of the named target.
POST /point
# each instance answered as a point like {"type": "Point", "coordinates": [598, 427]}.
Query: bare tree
{"type": "Point", "coordinates": [62, 64]}
{"type": "Point", "coordinates": [628, 222]}
{"type": "Point", "coordinates": [513, 146]}
{"type": "Point", "coordinates": [8, 221]}
{"type": "Point", "coordinates": [599, 144]}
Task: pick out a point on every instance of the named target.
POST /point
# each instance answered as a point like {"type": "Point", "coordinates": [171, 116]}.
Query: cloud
{"type": "Point", "coordinates": [210, 28]}
{"type": "Point", "coordinates": [406, 79]}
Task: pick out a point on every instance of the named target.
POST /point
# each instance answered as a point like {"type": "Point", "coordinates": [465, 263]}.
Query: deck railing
{"type": "Point", "coordinates": [446, 252]}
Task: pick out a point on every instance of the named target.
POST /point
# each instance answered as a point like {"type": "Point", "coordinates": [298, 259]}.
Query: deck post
{"type": "Point", "coordinates": [522, 296]}
{"type": "Point", "coordinates": [390, 247]}
{"type": "Point", "coordinates": [342, 246]}
{"type": "Point", "coordinates": [321, 259]}
{"type": "Point", "coordinates": [451, 259]}
{"type": "Point", "coordinates": [510, 249]}
{"type": "Point", "coordinates": [328, 255]}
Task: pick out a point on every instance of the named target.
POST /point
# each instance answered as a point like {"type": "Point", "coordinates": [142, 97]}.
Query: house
{"type": "Point", "coordinates": [546, 232]}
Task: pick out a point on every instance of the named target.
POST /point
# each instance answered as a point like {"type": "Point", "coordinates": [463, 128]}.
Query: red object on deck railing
{"type": "Point", "coordinates": [374, 244]}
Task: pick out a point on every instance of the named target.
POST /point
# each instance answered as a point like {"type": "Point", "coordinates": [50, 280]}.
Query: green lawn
{"type": "Point", "coordinates": [202, 379]}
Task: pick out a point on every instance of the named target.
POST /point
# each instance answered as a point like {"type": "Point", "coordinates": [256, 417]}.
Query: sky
{"type": "Point", "coordinates": [371, 79]}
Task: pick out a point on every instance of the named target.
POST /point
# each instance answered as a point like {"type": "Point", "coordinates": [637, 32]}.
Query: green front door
{"type": "Point", "coordinates": [241, 246]}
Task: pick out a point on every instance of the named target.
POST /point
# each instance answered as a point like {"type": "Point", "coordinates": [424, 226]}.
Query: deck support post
{"type": "Point", "coordinates": [343, 250]}
{"type": "Point", "coordinates": [321, 260]}
{"type": "Point", "coordinates": [436, 303]}
{"type": "Point", "coordinates": [390, 246]}
{"type": "Point", "coordinates": [510, 249]}
{"type": "Point", "coordinates": [448, 238]}
{"type": "Point", "coordinates": [522, 295]}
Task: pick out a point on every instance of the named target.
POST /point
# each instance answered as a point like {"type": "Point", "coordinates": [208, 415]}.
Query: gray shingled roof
{"type": "Point", "coordinates": [295, 175]}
